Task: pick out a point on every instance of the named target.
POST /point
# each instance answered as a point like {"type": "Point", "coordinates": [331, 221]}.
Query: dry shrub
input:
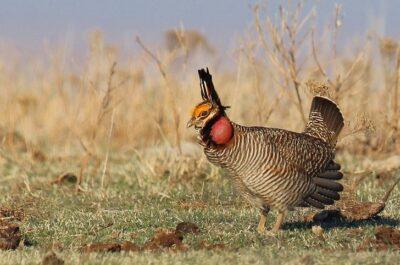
{"type": "Point", "coordinates": [350, 208]}
{"type": "Point", "coordinates": [318, 89]}
{"type": "Point", "coordinates": [188, 40]}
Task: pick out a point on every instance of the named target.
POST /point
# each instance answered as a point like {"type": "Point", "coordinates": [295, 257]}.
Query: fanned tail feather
{"type": "Point", "coordinates": [325, 120]}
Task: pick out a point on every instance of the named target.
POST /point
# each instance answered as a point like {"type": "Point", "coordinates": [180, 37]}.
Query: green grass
{"type": "Point", "coordinates": [136, 202]}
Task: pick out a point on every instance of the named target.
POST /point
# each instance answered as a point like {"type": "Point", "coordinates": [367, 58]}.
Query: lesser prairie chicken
{"type": "Point", "coordinates": [273, 168]}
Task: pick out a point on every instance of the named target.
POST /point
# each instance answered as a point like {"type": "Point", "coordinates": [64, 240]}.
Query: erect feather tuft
{"type": "Point", "coordinates": [208, 91]}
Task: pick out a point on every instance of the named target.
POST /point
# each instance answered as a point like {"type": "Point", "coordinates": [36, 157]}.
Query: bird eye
{"type": "Point", "coordinates": [203, 113]}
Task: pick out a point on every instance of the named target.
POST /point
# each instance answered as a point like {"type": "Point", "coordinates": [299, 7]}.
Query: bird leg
{"type": "Point", "coordinates": [263, 219]}
{"type": "Point", "coordinates": [261, 224]}
{"type": "Point", "coordinates": [279, 221]}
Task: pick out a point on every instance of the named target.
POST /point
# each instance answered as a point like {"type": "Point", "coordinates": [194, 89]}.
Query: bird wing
{"type": "Point", "coordinates": [305, 153]}
{"type": "Point", "coordinates": [312, 159]}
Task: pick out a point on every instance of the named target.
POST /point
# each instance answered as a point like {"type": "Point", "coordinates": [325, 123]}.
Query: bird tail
{"type": "Point", "coordinates": [325, 120]}
{"type": "Point", "coordinates": [327, 187]}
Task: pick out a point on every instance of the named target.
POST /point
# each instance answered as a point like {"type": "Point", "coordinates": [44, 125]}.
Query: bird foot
{"type": "Point", "coordinates": [261, 230]}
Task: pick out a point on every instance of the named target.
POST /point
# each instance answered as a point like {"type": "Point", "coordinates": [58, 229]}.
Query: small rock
{"type": "Point", "coordinates": [317, 230]}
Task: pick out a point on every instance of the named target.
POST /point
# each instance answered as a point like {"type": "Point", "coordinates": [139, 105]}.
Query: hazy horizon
{"type": "Point", "coordinates": [32, 25]}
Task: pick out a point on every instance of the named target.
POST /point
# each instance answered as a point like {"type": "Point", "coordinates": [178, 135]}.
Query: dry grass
{"type": "Point", "coordinates": [50, 104]}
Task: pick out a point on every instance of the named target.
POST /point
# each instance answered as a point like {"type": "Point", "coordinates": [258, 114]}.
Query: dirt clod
{"type": "Point", "coordinates": [129, 246]}
{"type": "Point", "coordinates": [69, 178]}
{"type": "Point", "coordinates": [165, 240]}
{"type": "Point", "coordinates": [187, 228]}
{"type": "Point", "coordinates": [162, 240]}
{"type": "Point", "coordinates": [102, 247]}
{"type": "Point", "coordinates": [385, 238]}
{"type": "Point", "coordinates": [51, 258]}
{"type": "Point", "coordinates": [10, 236]}
{"type": "Point", "coordinates": [111, 247]}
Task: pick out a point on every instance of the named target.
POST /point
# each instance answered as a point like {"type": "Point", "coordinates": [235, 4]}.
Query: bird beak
{"type": "Point", "coordinates": [190, 123]}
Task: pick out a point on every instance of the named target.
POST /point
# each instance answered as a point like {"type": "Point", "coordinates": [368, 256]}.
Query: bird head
{"type": "Point", "coordinates": [208, 117]}
{"type": "Point", "coordinates": [210, 108]}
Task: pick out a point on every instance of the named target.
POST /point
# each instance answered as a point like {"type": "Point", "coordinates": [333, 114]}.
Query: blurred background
{"type": "Point", "coordinates": [79, 77]}
{"type": "Point", "coordinates": [32, 25]}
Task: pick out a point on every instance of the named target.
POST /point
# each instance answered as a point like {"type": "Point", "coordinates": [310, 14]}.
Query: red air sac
{"type": "Point", "coordinates": [221, 131]}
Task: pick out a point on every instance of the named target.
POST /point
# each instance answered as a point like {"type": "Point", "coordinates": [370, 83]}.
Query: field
{"type": "Point", "coordinates": [59, 216]}
{"type": "Point", "coordinates": [97, 167]}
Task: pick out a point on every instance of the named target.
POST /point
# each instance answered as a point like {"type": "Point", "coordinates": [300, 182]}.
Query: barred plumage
{"type": "Point", "coordinates": [274, 168]}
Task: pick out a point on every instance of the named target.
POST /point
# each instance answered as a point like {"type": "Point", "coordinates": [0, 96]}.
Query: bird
{"type": "Point", "coordinates": [272, 168]}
